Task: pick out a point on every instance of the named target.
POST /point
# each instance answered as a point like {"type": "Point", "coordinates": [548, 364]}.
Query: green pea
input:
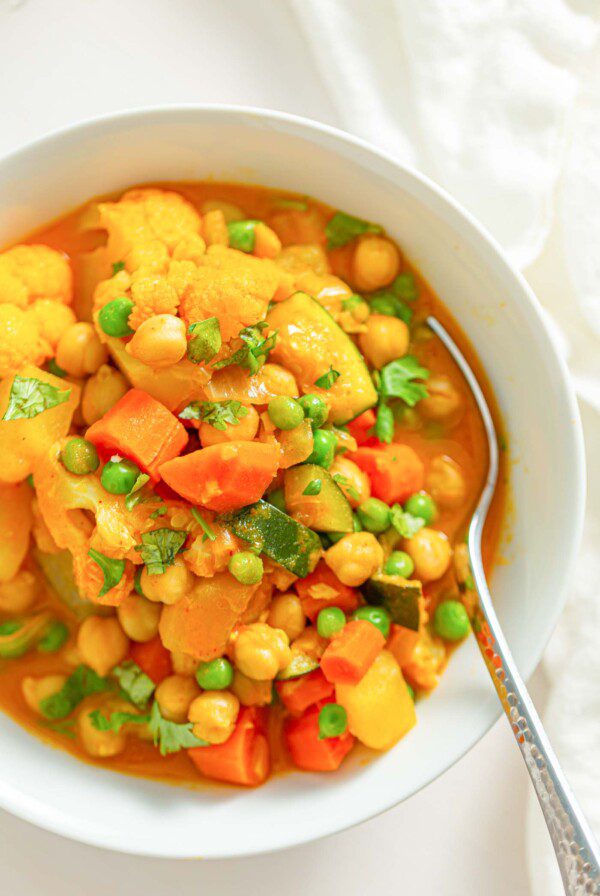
{"type": "Point", "coordinates": [315, 409]}
{"type": "Point", "coordinates": [333, 720]}
{"type": "Point", "coordinates": [113, 317]}
{"type": "Point", "coordinates": [323, 448]}
{"type": "Point", "coordinates": [421, 504]}
{"type": "Point", "coordinates": [277, 499]}
{"type": "Point", "coordinates": [79, 456]}
{"type": "Point", "coordinates": [242, 235]}
{"type": "Point", "coordinates": [384, 304]}
{"type": "Point", "coordinates": [451, 621]}
{"type": "Point", "coordinates": [118, 476]}
{"type": "Point", "coordinates": [374, 515]}
{"type": "Point", "coordinates": [54, 637]}
{"type": "Point", "coordinates": [285, 412]}
{"type": "Point", "coordinates": [399, 564]}
{"type": "Point", "coordinates": [377, 616]}
{"type": "Point", "coordinates": [215, 675]}
{"type": "Point", "coordinates": [329, 621]}
{"type": "Point", "coordinates": [246, 567]}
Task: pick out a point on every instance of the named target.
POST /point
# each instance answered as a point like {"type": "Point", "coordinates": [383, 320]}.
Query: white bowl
{"type": "Point", "coordinates": [503, 320]}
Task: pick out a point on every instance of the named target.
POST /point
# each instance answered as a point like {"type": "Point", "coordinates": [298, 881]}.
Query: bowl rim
{"type": "Point", "coordinates": [36, 811]}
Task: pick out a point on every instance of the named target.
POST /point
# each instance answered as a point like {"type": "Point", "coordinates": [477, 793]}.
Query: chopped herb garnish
{"type": "Point", "coordinates": [405, 287]}
{"type": "Point", "coordinates": [118, 266]}
{"type": "Point", "coordinates": [387, 303]}
{"type": "Point", "coordinates": [82, 683]}
{"type": "Point", "coordinates": [63, 726]}
{"type": "Point", "coordinates": [313, 487]}
{"type": "Point", "coordinates": [351, 302]}
{"type": "Point", "coordinates": [326, 380]}
{"type": "Point", "coordinates": [208, 532]}
{"type": "Point", "coordinates": [502, 443]}
{"type": "Point", "coordinates": [170, 737]}
{"type": "Point", "coordinates": [135, 684]}
{"type": "Point", "coordinates": [469, 583]}
{"type": "Point", "coordinates": [30, 397]}
{"type": "Point", "coordinates": [343, 228]}
{"type": "Point", "coordinates": [405, 523]}
{"type": "Point", "coordinates": [216, 413]}
{"type": "Point", "coordinates": [112, 570]}
{"type": "Point", "coordinates": [343, 480]}
{"type": "Point", "coordinates": [384, 424]}
{"type": "Point", "coordinates": [135, 496]}
{"type": "Point", "coordinates": [160, 547]}
{"type": "Point", "coordinates": [206, 340]}
{"type": "Point", "coordinates": [397, 380]}
{"type": "Point", "coordinates": [255, 351]}
{"type": "Point", "coordinates": [160, 511]}
{"type": "Point", "coordinates": [53, 368]}
{"type": "Point", "coordinates": [115, 721]}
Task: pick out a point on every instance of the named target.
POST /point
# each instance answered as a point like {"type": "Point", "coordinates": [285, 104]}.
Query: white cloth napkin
{"type": "Point", "coordinates": [499, 102]}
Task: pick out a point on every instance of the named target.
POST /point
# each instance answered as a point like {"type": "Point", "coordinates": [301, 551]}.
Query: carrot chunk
{"type": "Point", "coordinates": [300, 693]}
{"type": "Point", "coordinates": [360, 426]}
{"type": "Point", "coordinates": [140, 428]}
{"type": "Point", "coordinates": [243, 759]}
{"type": "Point", "coordinates": [396, 471]}
{"type": "Point", "coordinates": [401, 643]}
{"type": "Point", "coordinates": [321, 589]}
{"type": "Point", "coordinates": [223, 477]}
{"type": "Point", "coordinates": [153, 658]}
{"type": "Point", "coordinates": [351, 652]}
{"type": "Point", "coordinates": [307, 750]}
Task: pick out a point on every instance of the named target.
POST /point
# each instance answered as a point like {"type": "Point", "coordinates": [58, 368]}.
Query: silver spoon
{"type": "Point", "coordinates": [576, 850]}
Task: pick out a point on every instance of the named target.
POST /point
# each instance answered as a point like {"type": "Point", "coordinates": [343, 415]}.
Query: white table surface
{"type": "Point", "coordinates": [64, 60]}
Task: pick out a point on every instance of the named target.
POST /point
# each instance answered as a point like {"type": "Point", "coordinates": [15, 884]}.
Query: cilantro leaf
{"type": "Point", "coordinates": [216, 413]}
{"type": "Point", "coordinates": [405, 523]}
{"type": "Point", "coordinates": [135, 495]}
{"type": "Point", "coordinates": [62, 726]}
{"type": "Point", "coordinates": [135, 684]}
{"type": "Point", "coordinates": [208, 532]}
{"type": "Point", "coordinates": [82, 683]}
{"type": "Point", "coordinates": [112, 570]}
{"type": "Point", "coordinates": [313, 487]}
{"type": "Point", "coordinates": [30, 397]}
{"type": "Point", "coordinates": [118, 266]}
{"type": "Point", "coordinates": [343, 228]}
{"type": "Point", "coordinates": [397, 380]}
{"type": "Point", "coordinates": [170, 737]}
{"type": "Point", "coordinates": [351, 302]}
{"type": "Point", "coordinates": [387, 303]}
{"type": "Point", "coordinates": [206, 340]}
{"type": "Point", "coordinates": [116, 720]}
{"type": "Point", "coordinates": [255, 351]}
{"type": "Point", "coordinates": [327, 380]}
{"type": "Point", "coordinates": [340, 480]}
{"type": "Point", "coordinates": [384, 424]}
{"type": "Point", "coordinates": [160, 547]}
{"type": "Point", "coordinates": [160, 511]}
{"type": "Point", "coordinates": [405, 287]}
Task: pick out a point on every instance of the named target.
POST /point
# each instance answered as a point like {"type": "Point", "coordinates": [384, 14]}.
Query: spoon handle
{"type": "Point", "coordinates": [576, 850]}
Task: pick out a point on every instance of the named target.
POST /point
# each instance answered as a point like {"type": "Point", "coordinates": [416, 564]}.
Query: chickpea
{"type": "Point", "coordinates": [445, 482]}
{"type": "Point", "coordinates": [308, 258]}
{"type": "Point", "coordinates": [100, 744]}
{"type": "Point", "coordinates": [310, 643]}
{"type": "Point", "coordinates": [35, 690]}
{"type": "Point", "coordinates": [251, 692]}
{"type": "Point", "coordinates": [431, 553]}
{"type": "Point", "coordinates": [230, 211]}
{"type": "Point", "coordinates": [102, 643]}
{"type": "Point", "coordinates": [183, 663]}
{"type": "Point", "coordinates": [175, 694]}
{"type": "Point", "coordinates": [443, 402]}
{"type": "Point", "coordinates": [266, 242]}
{"type": "Point", "coordinates": [355, 558]}
{"type": "Point", "coordinates": [139, 617]}
{"type": "Point", "coordinates": [170, 586]}
{"type": "Point", "coordinates": [375, 263]}
{"type": "Point", "coordinates": [244, 430]}
{"type": "Point", "coordinates": [462, 564]}
{"type": "Point", "coordinates": [287, 614]}
{"type": "Point", "coordinates": [79, 351]}
{"type": "Point", "coordinates": [18, 594]}
{"type": "Point", "coordinates": [159, 341]}
{"type": "Point", "coordinates": [277, 380]}
{"type": "Point", "coordinates": [385, 339]}
{"type": "Point", "coordinates": [357, 487]}
{"type": "Point", "coordinates": [214, 714]}
{"type": "Point", "coordinates": [101, 392]}
{"type": "Point", "coordinates": [261, 651]}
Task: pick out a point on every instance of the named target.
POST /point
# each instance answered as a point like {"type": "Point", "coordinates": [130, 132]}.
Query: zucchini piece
{"type": "Point", "coordinates": [327, 511]}
{"type": "Point", "coordinates": [309, 342]}
{"type": "Point", "coordinates": [298, 666]}
{"type": "Point", "coordinates": [277, 535]}
{"type": "Point", "coordinates": [400, 597]}
{"type": "Point", "coordinates": [57, 570]}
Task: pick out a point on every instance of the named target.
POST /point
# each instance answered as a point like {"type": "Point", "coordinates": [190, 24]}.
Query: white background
{"type": "Point", "coordinates": [63, 60]}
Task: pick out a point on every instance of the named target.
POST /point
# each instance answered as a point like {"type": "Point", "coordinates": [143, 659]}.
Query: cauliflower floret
{"type": "Point", "coordinates": [191, 248]}
{"type": "Point", "coordinates": [143, 215]}
{"type": "Point", "coordinates": [34, 272]}
{"type": "Point", "coordinates": [151, 295]}
{"type": "Point", "coordinates": [52, 318]}
{"type": "Point", "coordinates": [20, 341]}
{"type": "Point", "coordinates": [15, 524]}
{"type": "Point", "coordinates": [151, 255]}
